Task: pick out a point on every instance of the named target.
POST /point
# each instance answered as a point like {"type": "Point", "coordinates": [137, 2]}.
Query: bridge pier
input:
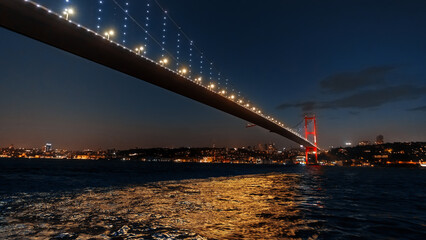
{"type": "Point", "coordinates": [313, 132]}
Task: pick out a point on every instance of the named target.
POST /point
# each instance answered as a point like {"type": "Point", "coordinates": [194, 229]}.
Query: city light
{"type": "Point", "coordinates": [67, 12]}
{"type": "Point", "coordinates": [109, 34]}
{"type": "Point", "coordinates": [412, 153]}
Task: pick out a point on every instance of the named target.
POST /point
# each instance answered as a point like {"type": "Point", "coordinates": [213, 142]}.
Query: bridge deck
{"type": "Point", "coordinates": [37, 23]}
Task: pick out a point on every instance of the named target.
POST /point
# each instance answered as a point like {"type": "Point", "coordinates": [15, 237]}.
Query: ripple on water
{"type": "Point", "coordinates": [251, 207]}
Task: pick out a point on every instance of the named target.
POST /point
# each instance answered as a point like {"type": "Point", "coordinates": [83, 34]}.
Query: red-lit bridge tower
{"type": "Point", "coordinates": [311, 131]}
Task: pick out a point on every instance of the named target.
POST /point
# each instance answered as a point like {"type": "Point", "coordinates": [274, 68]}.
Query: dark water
{"type": "Point", "coordinates": [56, 199]}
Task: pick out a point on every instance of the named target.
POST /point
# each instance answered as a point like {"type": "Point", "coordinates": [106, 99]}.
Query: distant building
{"type": "Point", "coordinates": [261, 147]}
{"type": "Point", "coordinates": [272, 149]}
{"type": "Point", "coordinates": [48, 147]}
{"type": "Point", "coordinates": [379, 139]}
{"type": "Point", "coordinates": [364, 143]}
{"type": "Point", "coordinates": [300, 160]}
{"type": "Point", "coordinates": [267, 148]}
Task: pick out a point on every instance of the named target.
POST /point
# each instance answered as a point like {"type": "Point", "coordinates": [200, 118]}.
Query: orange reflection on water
{"type": "Point", "coordinates": [250, 207]}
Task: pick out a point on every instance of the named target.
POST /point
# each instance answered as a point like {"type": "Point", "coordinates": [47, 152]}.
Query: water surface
{"type": "Point", "coordinates": [286, 203]}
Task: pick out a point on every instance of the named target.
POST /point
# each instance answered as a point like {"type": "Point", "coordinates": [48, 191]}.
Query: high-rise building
{"type": "Point", "coordinates": [48, 147]}
{"type": "Point", "coordinates": [379, 139]}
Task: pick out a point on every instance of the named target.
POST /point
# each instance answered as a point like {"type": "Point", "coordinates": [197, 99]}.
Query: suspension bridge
{"type": "Point", "coordinates": [158, 52]}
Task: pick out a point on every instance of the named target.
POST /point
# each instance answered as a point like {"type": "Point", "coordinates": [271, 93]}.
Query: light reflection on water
{"type": "Point", "coordinates": [254, 207]}
{"type": "Point", "coordinates": [307, 203]}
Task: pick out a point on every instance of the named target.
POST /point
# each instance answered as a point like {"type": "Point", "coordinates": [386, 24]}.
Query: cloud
{"type": "Point", "coordinates": [364, 99]}
{"type": "Point", "coordinates": [378, 97]}
{"type": "Point", "coordinates": [422, 108]}
{"type": "Point", "coordinates": [349, 81]}
{"type": "Point", "coordinates": [305, 106]}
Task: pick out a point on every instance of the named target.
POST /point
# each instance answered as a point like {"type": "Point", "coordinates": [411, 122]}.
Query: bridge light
{"type": "Point", "coordinates": [164, 61]}
{"type": "Point", "coordinates": [240, 101]}
{"type": "Point", "coordinates": [223, 92]}
{"type": "Point", "coordinates": [109, 34]}
{"type": "Point", "coordinates": [183, 71]}
{"type": "Point", "coordinates": [139, 50]}
{"type": "Point", "coordinates": [211, 86]}
{"type": "Point", "coordinates": [67, 12]}
{"type": "Point", "coordinates": [198, 80]}
{"type": "Point", "coordinates": [232, 97]}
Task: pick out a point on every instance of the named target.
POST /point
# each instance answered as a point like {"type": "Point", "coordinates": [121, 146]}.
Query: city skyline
{"type": "Point", "coordinates": [359, 68]}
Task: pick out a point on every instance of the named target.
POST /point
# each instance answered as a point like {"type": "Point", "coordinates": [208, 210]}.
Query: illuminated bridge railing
{"type": "Point", "coordinates": [211, 86]}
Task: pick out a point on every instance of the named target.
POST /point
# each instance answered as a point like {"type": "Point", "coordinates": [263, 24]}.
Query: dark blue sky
{"type": "Point", "coordinates": [360, 66]}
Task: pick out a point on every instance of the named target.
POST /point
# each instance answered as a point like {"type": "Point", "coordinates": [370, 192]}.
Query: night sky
{"type": "Point", "coordinates": [360, 66]}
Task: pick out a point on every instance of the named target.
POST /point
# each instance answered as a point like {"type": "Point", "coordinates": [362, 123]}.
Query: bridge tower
{"type": "Point", "coordinates": [311, 131]}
